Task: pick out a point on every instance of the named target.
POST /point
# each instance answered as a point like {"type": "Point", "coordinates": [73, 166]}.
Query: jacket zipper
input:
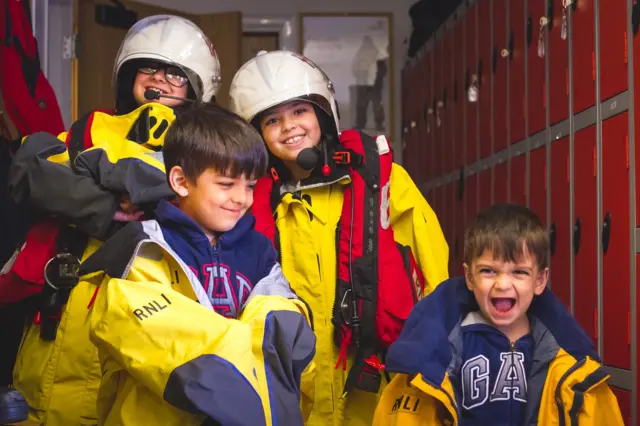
{"type": "Point", "coordinates": [559, 385]}
{"type": "Point", "coordinates": [511, 422]}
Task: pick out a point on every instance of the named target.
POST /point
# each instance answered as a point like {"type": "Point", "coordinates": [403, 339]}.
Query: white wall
{"type": "Point", "coordinates": [291, 8]}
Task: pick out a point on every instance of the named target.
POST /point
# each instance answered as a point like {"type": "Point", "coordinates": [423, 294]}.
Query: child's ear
{"type": "Point", "coordinates": [468, 276]}
{"type": "Point", "coordinates": [541, 281]}
{"type": "Point", "coordinates": [178, 181]}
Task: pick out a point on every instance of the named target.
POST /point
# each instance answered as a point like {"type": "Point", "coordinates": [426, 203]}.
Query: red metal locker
{"type": "Point", "coordinates": [484, 189]}
{"type": "Point", "coordinates": [585, 239]}
{"type": "Point", "coordinates": [445, 96]}
{"type": "Point", "coordinates": [613, 48]}
{"type": "Point", "coordinates": [536, 78]}
{"type": "Point", "coordinates": [485, 56]}
{"type": "Point", "coordinates": [518, 180]}
{"type": "Point", "coordinates": [636, 95]}
{"type": "Point", "coordinates": [472, 73]}
{"type": "Point", "coordinates": [436, 97]}
{"type": "Point", "coordinates": [471, 196]}
{"type": "Point", "coordinates": [500, 184]}
{"type": "Point", "coordinates": [517, 52]}
{"type": "Point", "coordinates": [538, 183]}
{"type": "Point", "coordinates": [558, 64]}
{"type": "Point", "coordinates": [499, 70]}
{"type": "Point", "coordinates": [559, 232]}
{"type": "Point", "coordinates": [624, 402]}
{"type": "Point", "coordinates": [615, 238]}
{"type": "Point", "coordinates": [458, 96]}
{"type": "Point", "coordinates": [584, 57]}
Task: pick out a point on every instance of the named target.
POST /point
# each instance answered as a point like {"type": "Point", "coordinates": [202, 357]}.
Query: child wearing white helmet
{"type": "Point", "coordinates": [105, 171]}
{"type": "Point", "coordinates": [355, 237]}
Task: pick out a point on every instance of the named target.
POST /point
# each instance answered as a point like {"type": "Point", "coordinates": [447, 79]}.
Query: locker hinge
{"type": "Point", "coordinates": [69, 47]}
{"type": "Point", "coordinates": [626, 48]}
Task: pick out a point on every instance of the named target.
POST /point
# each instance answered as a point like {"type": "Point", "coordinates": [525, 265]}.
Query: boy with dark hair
{"type": "Point", "coordinates": [167, 352]}
{"type": "Point", "coordinates": [496, 347]}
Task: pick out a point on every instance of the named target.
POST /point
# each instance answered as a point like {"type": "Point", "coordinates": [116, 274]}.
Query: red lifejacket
{"type": "Point", "coordinates": [378, 280]}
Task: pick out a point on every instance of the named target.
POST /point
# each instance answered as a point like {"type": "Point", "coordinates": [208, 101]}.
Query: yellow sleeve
{"type": "Point", "coordinates": [415, 225]}
{"type": "Point", "coordinates": [600, 407]}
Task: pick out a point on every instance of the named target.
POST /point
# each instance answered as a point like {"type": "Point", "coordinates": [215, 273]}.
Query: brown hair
{"type": "Point", "coordinates": [505, 229]}
{"type": "Point", "coordinates": [206, 136]}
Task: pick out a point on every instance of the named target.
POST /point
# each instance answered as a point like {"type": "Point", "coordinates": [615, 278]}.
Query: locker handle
{"type": "Point", "coordinates": [479, 71]}
{"type": "Point", "coordinates": [461, 184]}
{"type": "Point", "coordinates": [529, 31]}
{"type": "Point", "coordinates": [455, 91]}
{"type": "Point", "coordinates": [552, 238]}
{"type": "Point", "coordinates": [606, 232]}
{"type": "Point", "coordinates": [495, 59]}
{"type": "Point", "coordinates": [550, 13]}
{"type": "Point", "coordinates": [635, 17]}
{"type": "Point", "coordinates": [456, 254]}
{"type": "Point", "coordinates": [512, 43]}
{"type": "Point", "coordinates": [467, 80]}
{"type": "Point", "coordinates": [577, 234]}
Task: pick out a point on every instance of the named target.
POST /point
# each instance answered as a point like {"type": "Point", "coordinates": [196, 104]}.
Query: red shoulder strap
{"type": "Point", "coordinates": [261, 208]}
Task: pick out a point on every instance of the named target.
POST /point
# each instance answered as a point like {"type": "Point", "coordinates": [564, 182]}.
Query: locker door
{"type": "Point", "coordinates": [458, 97]}
{"type": "Point", "coordinates": [624, 402]}
{"type": "Point", "coordinates": [499, 69]}
{"type": "Point", "coordinates": [445, 95]}
{"type": "Point", "coordinates": [558, 64]}
{"type": "Point", "coordinates": [535, 68]}
{"type": "Point", "coordinates": [473, 70]}
{"type": "Point", "coordinates": [584, 57]}
{"type": "Point", "coordinates": [613, 48]}
{"type": "Point", "coordinates": [559, 232]}
{"type": "Point", "coordinates": [500, 176]}
{"type": "Point", "coordinates": [484, 190]}
{"type": "Point", "coordinates": [538, 183]}
{"type": "Point", "coordinates": [485, 50]}
{"type": "Point", "coordinates": [518, 180]}
{"type": "Point", "coordinates": [436, 97]}
{"type": "Point", "coordinates": [585, 225]}
{"type": "Point", "coordinates": [471, 196]}
{"type": "Point", "coordinates": [517, 49]}
{"type": "Point", "coordinates": [616, 232]}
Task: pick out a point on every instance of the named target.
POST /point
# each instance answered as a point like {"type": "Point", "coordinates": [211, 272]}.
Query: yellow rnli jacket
{"type": "Point", "coordinates": [566, 384]}
{"type": "Point", "coordinates": [168, 358]}
{"type": "Point", "coordinates": [111, 155]}
{"type": "Point", "coordinates": [306, 220]}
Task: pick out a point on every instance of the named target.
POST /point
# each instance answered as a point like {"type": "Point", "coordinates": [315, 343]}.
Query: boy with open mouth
{"type": "Point", "coordinates": [496, 347]}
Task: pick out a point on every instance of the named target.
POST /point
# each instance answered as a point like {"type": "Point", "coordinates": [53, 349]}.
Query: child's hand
{"type": "Point", "coordinates": [128, 212]}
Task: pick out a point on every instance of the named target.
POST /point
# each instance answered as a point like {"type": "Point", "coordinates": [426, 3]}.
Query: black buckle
{"type": "Point", "coordinates": [342, 157]}
{"type": "Point", "coordinates": [61, 276]}
{"type": "Point", "coordinates": [369, 379]}
{"type": "Point", "coordinates": [61, 271]}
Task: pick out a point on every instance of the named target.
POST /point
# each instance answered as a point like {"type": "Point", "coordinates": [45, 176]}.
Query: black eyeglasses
{"type": "Point", "coordinates": [174, 75]}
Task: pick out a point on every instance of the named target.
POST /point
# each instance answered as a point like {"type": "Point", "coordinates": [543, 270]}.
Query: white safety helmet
{"type": "Point", "coordinates": [274, 78]}
{"type": "Point", "coordinates": [176, 41]}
